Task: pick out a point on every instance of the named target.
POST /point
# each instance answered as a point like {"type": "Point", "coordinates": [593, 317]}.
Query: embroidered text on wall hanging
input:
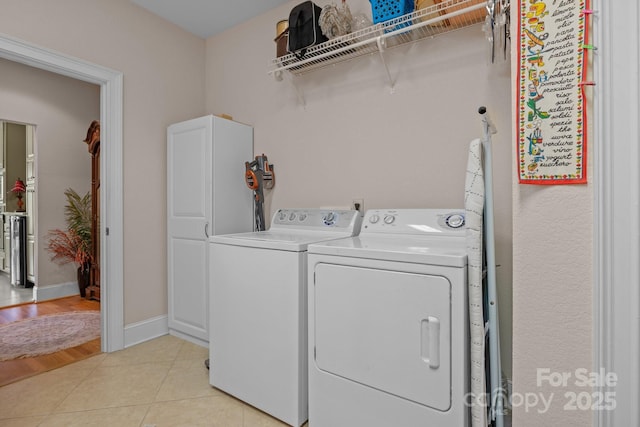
{"type": "Point", "coordinates": [551, 112]}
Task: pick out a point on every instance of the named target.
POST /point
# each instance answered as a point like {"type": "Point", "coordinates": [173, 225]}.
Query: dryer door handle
{"type": "Point", "coordinates": [430, 341]}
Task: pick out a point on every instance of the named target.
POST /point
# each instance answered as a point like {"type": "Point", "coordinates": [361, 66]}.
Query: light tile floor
{"type": "Point", "coordinates": [10, 295]}
{"type": "Point", "coordinates": [159, 383]}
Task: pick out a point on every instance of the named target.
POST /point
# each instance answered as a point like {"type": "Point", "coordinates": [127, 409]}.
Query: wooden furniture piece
{"type": "Point", "coordinates": [93, 142]}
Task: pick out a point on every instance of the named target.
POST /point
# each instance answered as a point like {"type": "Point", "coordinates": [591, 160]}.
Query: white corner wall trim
{"type": "Point", "coordinates": [111, 197]}
{"type": "Point", "coordinates": [616, 294]}
{"type": "Point", "coordinates": [60, 290]}
{"type": "Point", "coordinates": [146, 330]}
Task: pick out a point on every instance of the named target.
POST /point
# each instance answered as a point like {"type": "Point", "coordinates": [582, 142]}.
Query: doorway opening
{"type": "Point", "coordinates": [111, 198]}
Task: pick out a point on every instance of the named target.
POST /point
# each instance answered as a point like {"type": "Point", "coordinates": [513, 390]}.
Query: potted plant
{"type": "Point", "coordinates": [74, 243]}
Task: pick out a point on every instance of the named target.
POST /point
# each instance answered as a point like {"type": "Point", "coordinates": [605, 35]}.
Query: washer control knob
{"type": "Point", "coordinates": [374, 218]}
{"type": "Point", "coordinates": [388, 219]}
{"type": "Point", "coordinates": [282, 215]}
{"type": "Point", "coordinates": [302, 217]}
{"type": "Point", "coordinates": [455, 220]}
{"type": "Point", "coordinates": [329, 218]}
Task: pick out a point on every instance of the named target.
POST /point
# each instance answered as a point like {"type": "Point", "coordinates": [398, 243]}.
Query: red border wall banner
{"type": "Point", "coordinates": [551, 119]}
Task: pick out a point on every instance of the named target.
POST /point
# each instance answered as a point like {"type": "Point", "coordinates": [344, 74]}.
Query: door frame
{"type": "Point", "coordinates": [111, 198]}
{"type": "Point", "coordinates": [616, 222]}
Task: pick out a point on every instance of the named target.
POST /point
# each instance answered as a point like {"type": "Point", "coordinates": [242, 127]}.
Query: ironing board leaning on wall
{"type": "Point", "coordinates": [483, 310]}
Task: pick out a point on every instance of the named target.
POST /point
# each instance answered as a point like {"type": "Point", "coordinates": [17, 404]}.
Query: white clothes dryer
{"type": "Point", "coordinates": [258, 300]}
{"type": "Point", "coordinates": [388, 333]}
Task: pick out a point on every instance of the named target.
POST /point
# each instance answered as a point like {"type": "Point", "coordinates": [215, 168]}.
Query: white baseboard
{"type": "Point", "coordinates": [136, 333]}
{"type": "Point", "coordinates": [155, 327]}
{"type": "Point", "coordinates": [61, 290]}
{"type": "Point", "coordinates": [189, 338]}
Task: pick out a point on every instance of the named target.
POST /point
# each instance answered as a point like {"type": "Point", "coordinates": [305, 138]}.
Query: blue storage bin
{"type": "Point", "coordinates": [384, 10]}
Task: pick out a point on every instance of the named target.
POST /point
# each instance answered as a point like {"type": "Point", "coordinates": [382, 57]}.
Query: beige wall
{"type": "Point", "coordinates": [163, 70]}
{"type": "Point", "coordinates": [353, 138]}
{"type": "Point", "coordinates": [552, 300]}
{"type": "Point", "coordinates": [61, 109]}
{"type": "Point", "coordinates": [552, 292]}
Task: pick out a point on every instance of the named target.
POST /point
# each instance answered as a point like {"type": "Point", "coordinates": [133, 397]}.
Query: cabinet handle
{"type": "Point", "coordinates": [206, 230]}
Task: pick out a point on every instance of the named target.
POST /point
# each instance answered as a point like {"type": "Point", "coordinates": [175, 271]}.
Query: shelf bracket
{"type": "Point", "coordinates": [381, 43]}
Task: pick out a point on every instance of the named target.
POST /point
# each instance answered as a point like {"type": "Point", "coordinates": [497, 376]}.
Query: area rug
{"type": "Point", "coordinates": [48, 334]}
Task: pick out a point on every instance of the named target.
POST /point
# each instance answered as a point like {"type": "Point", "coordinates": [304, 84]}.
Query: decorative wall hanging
{"type": "Point", "coordinates": [552, 143]}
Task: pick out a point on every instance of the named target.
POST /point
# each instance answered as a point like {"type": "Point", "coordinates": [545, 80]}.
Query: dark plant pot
{"type": "Point", "coordinates": [83, 280]}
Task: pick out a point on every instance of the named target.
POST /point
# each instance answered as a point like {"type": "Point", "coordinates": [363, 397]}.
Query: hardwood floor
{"type": "Point", "coordinates": [14, 370]}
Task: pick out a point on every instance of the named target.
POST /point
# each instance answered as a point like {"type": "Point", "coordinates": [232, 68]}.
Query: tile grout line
{"type": "Point", "coordinates": [89, 373]}
{"type": "Point", "coordinates": [154, 400]}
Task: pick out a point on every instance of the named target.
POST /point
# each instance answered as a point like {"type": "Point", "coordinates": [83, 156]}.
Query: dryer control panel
{"type": "Point", "coordinates": [316, 219]}
{"type": "Point", "coordinates": [442, 222]}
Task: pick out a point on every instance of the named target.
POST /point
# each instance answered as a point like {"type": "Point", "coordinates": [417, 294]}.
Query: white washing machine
{"type": "Point", "coordinates": [258, 333]}
{"type": "Point", "coordinates": [388, 333]}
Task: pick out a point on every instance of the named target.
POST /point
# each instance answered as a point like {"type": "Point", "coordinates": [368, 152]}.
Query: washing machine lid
{"type": "Point", "coordinates": [445, 251]}
{"type": "Point", "coordinates": [296, 241]}
{"type": "Point", "coordinates": [295, 229]}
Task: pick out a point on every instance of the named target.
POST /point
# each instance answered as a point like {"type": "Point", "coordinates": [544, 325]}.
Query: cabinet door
{"type": "Point", "coordinates": [30, 138]}
{"type": "Point", "coordinates": [31, 271]}
{"type": "Point", "coordinates": [188, 225]}
{"type": "Point", "coordinates": [30, 174]}
{"type": "Point", "coordinates": [3, 252]}
{"type": "Point", "coordinates": [7, 245]}
{"type": "Point", "coordinates": [2, 138]}
{"type": "Point", "coordinates": [30, 208]}
{"type": "Point", "coordinates": [2, 190]}
{"type": "Point", "coordinates": [30, 203]}
{"type": "Point", "coordinates": [2, 168]}
{"type": "Point", "coordinates": [30, 155]}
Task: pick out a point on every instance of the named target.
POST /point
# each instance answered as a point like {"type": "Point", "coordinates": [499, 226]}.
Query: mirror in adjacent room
{"type": "Point", "coordinates": [17, 213]}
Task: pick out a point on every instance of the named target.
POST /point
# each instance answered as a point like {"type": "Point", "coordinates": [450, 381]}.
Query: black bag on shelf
{"type": "Point", "coordinates": [304, 30]}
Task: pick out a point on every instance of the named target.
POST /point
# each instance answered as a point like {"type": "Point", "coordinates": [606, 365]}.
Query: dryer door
{"type": "Point", "coordinates": [388, 330]}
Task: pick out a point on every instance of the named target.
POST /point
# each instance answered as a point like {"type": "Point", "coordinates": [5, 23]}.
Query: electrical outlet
{"type": "Point", "coordinates": [358, 205]}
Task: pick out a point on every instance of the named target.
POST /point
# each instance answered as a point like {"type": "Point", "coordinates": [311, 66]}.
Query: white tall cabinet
{"type": "Point", "coordinates": [206, 195]}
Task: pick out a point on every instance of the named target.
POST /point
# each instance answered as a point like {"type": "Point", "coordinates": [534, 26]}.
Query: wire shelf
{"type": "Point", "coordinates": [441, 18]}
